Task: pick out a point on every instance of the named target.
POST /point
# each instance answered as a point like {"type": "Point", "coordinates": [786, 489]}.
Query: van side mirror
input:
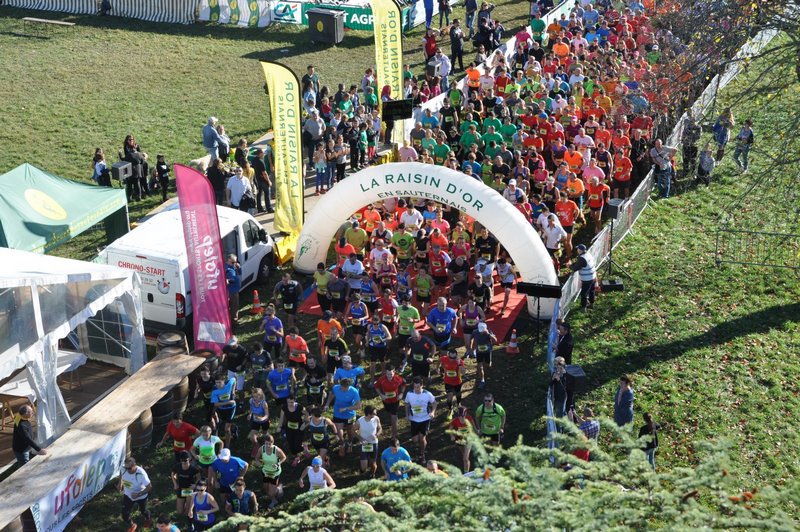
{"type": "Point", "coordinates": [262, 235]}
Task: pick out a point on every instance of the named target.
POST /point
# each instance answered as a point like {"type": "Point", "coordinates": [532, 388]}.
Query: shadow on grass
{"type": "Point", "coordinates": [636, 359]}
{"type": "Point", "coordinates": [25, 35]}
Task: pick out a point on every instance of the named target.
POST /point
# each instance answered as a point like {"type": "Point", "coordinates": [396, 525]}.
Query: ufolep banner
{"type": "Point", "coordinates": [206, 259]}
{"type": "Point", "coordinates": [284, 104]}
{"type": "Point", "coordinates": [53, 512]}
{"type": "Point", "coordinates": [387, 20]}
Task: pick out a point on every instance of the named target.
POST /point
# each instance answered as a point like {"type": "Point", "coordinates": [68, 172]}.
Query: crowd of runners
{"type": "Point", "coordinates": [558, 129]}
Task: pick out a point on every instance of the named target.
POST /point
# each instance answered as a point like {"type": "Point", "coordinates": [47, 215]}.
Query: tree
{"type": "Point", "coordinates": [519, 489]}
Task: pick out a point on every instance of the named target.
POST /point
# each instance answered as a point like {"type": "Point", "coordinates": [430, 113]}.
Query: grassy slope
{"type": "Point", "coordinates": [712, 349]}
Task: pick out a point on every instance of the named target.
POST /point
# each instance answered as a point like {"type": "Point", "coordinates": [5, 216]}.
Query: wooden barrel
{"type": "Point", "coordinates": [141, 430]}
{"type": "Point", "coordinates": [171, 351]}
{"type": "Point", "coordinates": [162, 411]}
{"type": "Point", "coordinates": [180, 395]}
{"type": "Point", "coordinates": [173, 339]}
{"type": "Point", "coordinates": [211, 359]}
{"type": "Point", "coordinates": [23, 523]}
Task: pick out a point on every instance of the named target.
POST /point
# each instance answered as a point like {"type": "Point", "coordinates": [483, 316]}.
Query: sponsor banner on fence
{"type": "Point", "coordinates": [253, 13]}
{"type": "Point", "coordinates": [287, 12]}
{"type": "Point", "coordinates": [53, 512]}
{"type": "Point", "coordinates": [206, 259]}
{"type": "Point", "coordinates": [284, 105]}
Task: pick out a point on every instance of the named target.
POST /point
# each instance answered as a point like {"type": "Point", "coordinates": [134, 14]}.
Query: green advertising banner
{"type": "Point", "coordinates": [356, 17]}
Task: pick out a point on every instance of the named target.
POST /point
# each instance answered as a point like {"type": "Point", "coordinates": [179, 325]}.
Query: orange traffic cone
{"type": "Point", "coordinates": [257, 308]}
{"type": "Point", "coordinates": [512, 348]}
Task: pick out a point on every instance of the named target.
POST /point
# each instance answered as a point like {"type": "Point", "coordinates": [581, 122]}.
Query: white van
{"type": "Point", "coordinates": [157, 251]}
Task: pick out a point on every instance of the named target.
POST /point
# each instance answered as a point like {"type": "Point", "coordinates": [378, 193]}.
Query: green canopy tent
{"type": "Point", "coordinates": [39, 210]}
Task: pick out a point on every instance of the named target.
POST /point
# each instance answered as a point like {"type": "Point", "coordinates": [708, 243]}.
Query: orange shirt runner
{"type": "Point", "coordinates": [622, 169]}
{"type": "Point", "coordinates": [389, 388]}
{"type": "Point", "coordinates": [597, 195]}
{"type": "Point", "coordinates": [297, 348]}
{"type": "Point", "coordinates": [450, 366]}
{"type": "Point", "coordinates": [566, 210]}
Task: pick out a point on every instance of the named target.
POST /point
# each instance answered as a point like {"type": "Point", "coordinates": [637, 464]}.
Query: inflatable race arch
{"type": "Point", "coordinates": [442, 185]}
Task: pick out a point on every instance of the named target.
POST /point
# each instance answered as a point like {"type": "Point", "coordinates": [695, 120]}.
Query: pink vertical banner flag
{"type": "Point", "coordinates": [206, 259]}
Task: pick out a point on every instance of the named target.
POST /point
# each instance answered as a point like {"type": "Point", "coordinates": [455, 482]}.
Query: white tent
{"type": "Point", "coordinates": [44, 300]}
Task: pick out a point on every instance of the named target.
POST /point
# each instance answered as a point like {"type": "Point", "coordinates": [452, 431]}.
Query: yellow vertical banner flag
{"type": "Point", "coordinates": [284, 103]}
{"type": "Point", "coordinates": [387, 20]}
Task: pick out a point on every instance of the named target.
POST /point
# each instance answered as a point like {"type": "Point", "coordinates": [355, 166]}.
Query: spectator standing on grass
{"type": "Point", "coordinates": [662, 159]}
{"type": "Point", "coordinates": [689, 138]}
{"type": "Point", "coordinates": [22, 442]}
{"type": "Point", "coordinates": [744, 141]}
{"type": "Point", "coordinates": [706, 165]}
{"type": "Point", "coordinates": [587, 273]}
{"type": "Point", "coordinates": [558, 382]}
{"type": "Point", "coordinates": [471, 7]}
{"type": "Point", "coordinates": [216, 174]}
{"type": "Point", "coordinates": [650, 428]}
{"type": "Point", "coordinates": [136, 184]}
{"type": "Point", "coordinates": [313, 131]}
{"type": "Point", "coordinates": [623, 402]}
{"type": "Point", "coordinates": [564, 344]}
{"type": "Point", "coordinates": [312, 78]}
{"type": "Point", "coordinates": [100, 173]}
{"type": "Point", "coordinates": [238, 186]}
{"type": "Point", "coordinates": [457, 45]}
{"type": "Point", "coordinates": [722, 131]}
{"type": "Point", "coordinates": [211, 138]}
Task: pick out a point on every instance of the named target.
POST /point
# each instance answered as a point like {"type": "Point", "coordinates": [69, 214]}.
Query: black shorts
{"type": "Point", "coordinates": [420, 427]}
{"type": "Point", "coordinates": [358, 329]}
{"type": "Point", "coordinates": [391, 408]}
{"type": "Point", "coordinates": [324, 443]}
{"type": "Point", "coordinates": [421, 260]}
{"type": "Point", "coordinates": [402, 340]}
{"type": "Point", "coordinates": [567, 228]}
{"type": "Point", "coordinates": [440, 280]}
{"type": "Point", "coordinates": [424, 299]}
{"type": "Point", "coordinates": [339, 305]}
{"type": "Point", "coordinates": [420, 369]}
{"type": "Point", "coordinates": [377, 353]}
{"type": "Point", "coordinates": [225, 489]}
{"type": "Point", "coordinates": [452, 388]}
{"type": "Point", "coordinates": [507, 285]}
{"type": "Point", "coordinates": [295, 439]}
{"type": "Point", "coordinates": [260, 426]}
{"type": "Point", "coordinates": [492, 437]}
{"type": "Point", "coordinates": [459, 289]}
{"type": "Point", "coordinates": [324, 301]}
{"type": "Point", "coordinates": [369, 455]}
{"type": "Point", "coordinates": [274, 481]}
{"type": "Point", "coordinates": [343, 421]}
{"type": "Point", "coordinates": [315, 398]}
{"type": "Point", "coordinates": [442, 339]}
{"type": "Point", "coordinates": [178, 493]}
{"type": "Point", "coordinates": [226, 415]}
{"type": "Point", "coordinates": [292, 310]}
{"type": "Point", "coordinates": [404, 262]}
{"type": "Point", "coordinates": [483, 356]}
{"type": "Point", "coordinates": [595, 209]}
{"type": "Point", "coordinates": [468, 330]}
{"type": "Point", "coordinates": [372, 306]}
{"type": "Point", "coordinates": [332, 364]}
{"type": "Point", "coordinates": [281, 401]}
{"type": "Point", "coordinates": [295, 364]}
{"type": "Point", "coordinates": [620, 185]}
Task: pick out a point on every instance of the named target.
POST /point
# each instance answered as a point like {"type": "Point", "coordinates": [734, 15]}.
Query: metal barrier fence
{"type": "Point", "coordinates": [635, 205]}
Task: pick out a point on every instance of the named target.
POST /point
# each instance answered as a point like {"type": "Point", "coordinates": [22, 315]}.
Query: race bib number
{"type": "Point", "coordinates": [356, 321]}
{"type": "Point", "coordinates": [417, 410]}
{"type": "Point", "coordinates": [272, 338]}
{"type": "Point", "coordinates": [450, 373]}
{"type": "Point", "coordinates": [483, 348]}
{"type": "Point", "coordinates": [185, 492]}
{"type": "Point", "coordinates": [486, 256]}
{"type": "Point", "coordinates": [294, 425]}
{"type": "Point", "coordinates": [387, 318]}
{"type": "Point", "coordinates": [128, 484]}
{"type": "Point", "coordinates": [179, 444]}
{"type": "Point", "coordinates": [405, 329]}
{"type": "Point", "coordinates": [490, 425]}
{"type": "Point", "coordinates": [472, 322]}
{"type": "Point", "coordinates": [317, 486]}
{"type": "Point", "coordinates": [336, 295]}
{"type": "Point", "coordinates": [593, 196]}
{"type": "Point", "coordinates": [377, 339]}
{"type": "Point", "coordinates": [436, 264]}
{"type": "Point", "coordinates": [441, 328]}
{"type": "Point", "coordinates": [367, 447]}
{"type": "Point", "coordinates": [225, 397]}
{"type": "Point", "coordinates": [419, 358]}
{"type": "Point", "coordinates": [318, 436]}
{"type": "Point", "coordinates": [314, 390]}
{"type": "Point", "coordinates": [288, 306]}
{"type": "Point", "coordinates": [389, 395]}
{"type": "Point", "coordinates": [202, 517]}
{"type": "Point", "coordinates": [282, 387]}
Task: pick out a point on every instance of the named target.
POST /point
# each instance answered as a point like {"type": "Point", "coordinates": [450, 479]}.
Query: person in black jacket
{"type": "Point", "coordinates": [216, 174]}
{"type": "Point", "coordinates": [136, 185]}
{"type": "Point", "coordinates": [564, 345]}
{"type": "Point", "coordinates": [23, 442]}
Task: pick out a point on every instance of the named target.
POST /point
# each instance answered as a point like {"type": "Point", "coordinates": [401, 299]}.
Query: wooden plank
{"type": "Point", "coordinates": [138, 392]}
{"type": "Point", "coordinates": [48, 21]}
{"type": "Point", "coordinates": [43, 474]}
